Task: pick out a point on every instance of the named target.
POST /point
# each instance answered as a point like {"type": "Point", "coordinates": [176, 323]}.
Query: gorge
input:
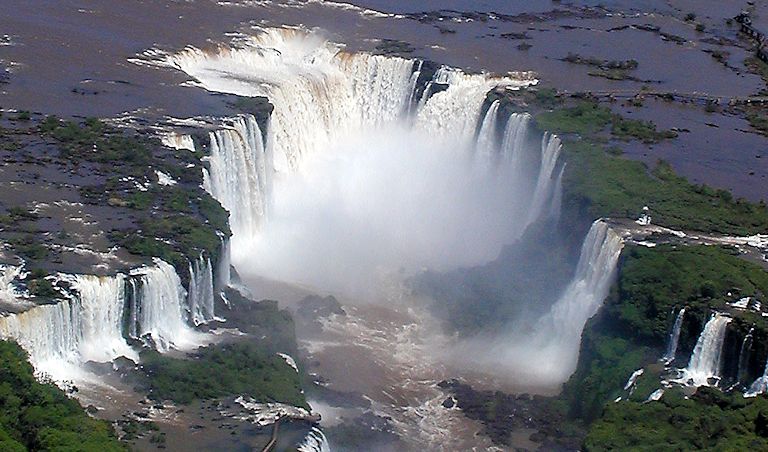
{"type": "Point", "coordinates": [460, 259]}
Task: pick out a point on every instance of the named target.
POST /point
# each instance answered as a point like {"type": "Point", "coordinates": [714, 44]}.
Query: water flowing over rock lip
{"type": "Point", "coordinates": [89, 321]}
{"type": "Point", "coordinates": [181, 60]}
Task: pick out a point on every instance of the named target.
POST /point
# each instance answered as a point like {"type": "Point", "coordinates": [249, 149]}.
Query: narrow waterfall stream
{"type": "Point", "coordinates": [674, 338]}
{"type": "Point", "coordinates": [704, 366]}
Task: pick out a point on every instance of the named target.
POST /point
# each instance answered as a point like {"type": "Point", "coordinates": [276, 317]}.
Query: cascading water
{"type": "Point", "coordinates": [223, 268]}
{"type": "Point", "coordinates": [545, 354]}
{"type": "Point", "coordinates": [559, 332]}
{"type": "Point", "coordinates": [92, 324]}
{"type": "Point", "coordinates": [515, 134]}
{"type": "Point", "coordinates": [704, 365]}
{"type": "Point", "coordinates": [314, 442]}
{"type": "Point", "coordinates": [759, 386]}
{"type": "Point", "coordinates": [178, 141]}
{"type": "Point", "coordinates": [486, 137]}
{"type": "Point", "coordinates": [87, 327]}
{"type": "Point", "coordinates": [319, 92]}
{"type": "Point", "coordinates": [338, 116]}
{"type": "Point", "coordinates": [360, 181]}
{"type": "Point", "coordinates": [238, 174]}
{"type": "Point", "coordinates": [101, 301]}
{"type": "Point", "coordinates": [160, 308]}
{"type": "Point", "coordinates": [674, 337]}
{"type": "Point", "coordinates": [744, 352]}
{"type": "Point", "coordinates": [9, 294]}
{"type": "Point", "coordinates": [200, 295]}
{"type": "Point", "coordinates": [550, 152]}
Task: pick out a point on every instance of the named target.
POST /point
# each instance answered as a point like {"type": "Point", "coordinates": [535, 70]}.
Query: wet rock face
{"type": "Point", "coordinates": [260, 107]}
{"type": "Point", "coordinates": [499, 413]}
{"type": "Point", "coordinates": [315, 307]}
{"type": "Point", "coordinates": [502, 414]}
{"type": "Point", "coordinates": [394, 47]}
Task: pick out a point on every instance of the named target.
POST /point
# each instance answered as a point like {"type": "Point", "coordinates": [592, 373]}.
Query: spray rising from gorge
{"type": "Point", "coordinates": [373, 168]}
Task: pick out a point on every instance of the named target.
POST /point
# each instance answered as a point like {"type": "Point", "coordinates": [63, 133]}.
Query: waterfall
{"type": "Point", "coordinates": [550, 152]}
{"type": "Point", "coordinates": [589, 287]}
{"type": "Point", "coordinates": [515, 134]}
{"type": "Point", "coordinates": [223, 268]}
{"type": "Point", "coordinates": [200, 294]}
{"type": "Point", "coordinates": [50, 334]}
{"type": "Point", "coordinates": [455, 111]}
{"type": "Point", "coordinates": [556, 205]}
{"type": "Point", "coordinates": [414, 80]}
{"type": "Point", "coordinates": [486, 137]}
{"type": "Point", "coordinates": [93, 322]}
{"type": "Point", "coordinates": [319, 91]}
{"type": "Point", "coordinates": [548, 353]}
{"type": "Point", "coordinates": [322, 96]}
{"type": "Point", "coordinates": [315, 441]}
{"type": "Point", "coordinates": [705, 361]}
{"type": "Point", "coordinates": [238, 174]}
{"type": "Point", "coordinates": [100, 303]}
{"type": "Point", "coordinates": [759, 386]}
{"type": "Point", "coordinates": [746, 346]}
{"type": "Point", "coordinates": [8, 292]}
{"type": "Point", "coordinates": [160, 308]}
{"type": "Point", "coordinates": [674, 337]}
{"type": "Point", "coordinates": [630, 384]}
{"type": "Point", "coordinates": [178, 141]}
{"type": "Point", "coordinates": [655, 395]}
{"type": "Point", "coordinates": [86, 327]}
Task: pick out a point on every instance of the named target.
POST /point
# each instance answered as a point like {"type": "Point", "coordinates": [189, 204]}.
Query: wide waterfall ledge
{"type": "Point", "coordinates": [101, 318]}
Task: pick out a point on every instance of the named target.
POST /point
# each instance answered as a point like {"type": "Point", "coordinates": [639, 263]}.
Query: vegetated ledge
{"type": "Point", "coordinates": [250, 366]}
{"type": "Point", "coordinates": [630, 332]}
{"type": "Point", "coordinates": [135, 200]}
{"type": "Point", "coordinates": [39, 416]}
{"type": "Point", "coordinates": [81, 196]}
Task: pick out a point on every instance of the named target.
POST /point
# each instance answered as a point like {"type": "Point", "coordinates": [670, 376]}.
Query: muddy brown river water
{"type": "Point", "coordinates": [70, 57]}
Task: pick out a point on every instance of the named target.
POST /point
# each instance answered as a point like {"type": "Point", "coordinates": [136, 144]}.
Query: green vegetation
{"type": "Point", "coordinates": [257, 106]}
{"type": "Point", "coordinates": [645, 131]}
{"type": "Point", "coordinates": [273, 329]}
{"type": "Point", "coordinates": [39, 416]}
{"type": "Point", "coordinates": [95, 141]}
{"type": "Point", "coordinates": [610, 69]}
{"type": "Point", "coordinates": [758, 119]}
{"type": "Point", "coordinates": [757, 66]}
{"type": "Point", "coordinates": [605, 362]}
{"type": "Point", "coordinates": [607, 186]}
{"type": "Point", "coordinates": [28, 247]}
{"type": "Point", "coordinates": [589, 118]}
{"type": "Point", "coordinates": [654, 281]}
{"type": "Point", "coordinates": [140, 245]}
{"type": "Point", "coordinates": [211, 210]}
{"type": "Point", "coordinates": [585, 118]}
{"type": "Point", "coordinates": [631, 330]}
{"type": "Point", "coordinates": [187, 232]}
{"type": "Point", "coordinates": [710, 420]}
{"type": "Point", "coordinates": [575, 58]}
{"type": "Point", "coordinates": [221, 370]}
